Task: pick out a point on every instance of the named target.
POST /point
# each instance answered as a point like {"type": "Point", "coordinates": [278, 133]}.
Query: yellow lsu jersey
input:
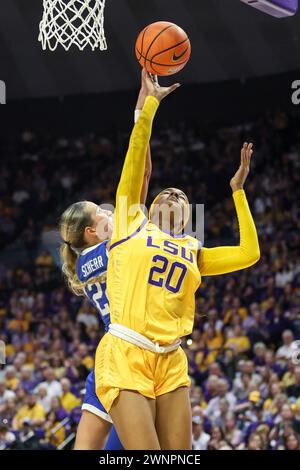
{"type": "Point", "coordinates": [152, 280]}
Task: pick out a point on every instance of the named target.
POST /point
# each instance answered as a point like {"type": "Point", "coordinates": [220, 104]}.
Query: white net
{"type": "Point", "coordinates": [78, 22]}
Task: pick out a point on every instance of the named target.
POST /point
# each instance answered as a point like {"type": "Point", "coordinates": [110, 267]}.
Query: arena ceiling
{"type": "Point", "coordinates": [230, 41]}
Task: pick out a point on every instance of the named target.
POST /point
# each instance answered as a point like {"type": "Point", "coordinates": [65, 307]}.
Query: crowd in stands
{"type": "Point", "coordinates": [244, 359]}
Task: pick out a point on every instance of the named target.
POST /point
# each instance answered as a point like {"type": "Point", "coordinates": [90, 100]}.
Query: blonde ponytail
{"type": "Point", "coordinates": [72, 227]}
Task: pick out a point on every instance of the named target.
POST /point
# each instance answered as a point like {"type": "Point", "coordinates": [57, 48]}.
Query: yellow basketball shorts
{"type": "Point", "coordinates": [120, 365]}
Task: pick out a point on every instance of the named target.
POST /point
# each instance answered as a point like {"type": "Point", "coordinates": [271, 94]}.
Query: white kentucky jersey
{"type": "Point", "coordinates": [91, 269]}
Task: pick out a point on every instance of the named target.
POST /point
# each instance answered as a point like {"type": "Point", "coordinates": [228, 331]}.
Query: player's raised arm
{"type": "Point", "coordinates": [138, 109]}
{"type": "Point", "coordinates": [130, 186]}
{"type": "Point", "coordinates": [227, 259]}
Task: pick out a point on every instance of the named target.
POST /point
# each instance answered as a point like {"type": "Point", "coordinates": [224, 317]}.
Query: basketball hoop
{"type": "Point", "coordinates": [78, 22]}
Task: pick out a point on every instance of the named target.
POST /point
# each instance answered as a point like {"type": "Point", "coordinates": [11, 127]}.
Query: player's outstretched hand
{"type": "Point", "coordinates": [237, 182]}
{"type": "Point", "coordinates": [154, 89]}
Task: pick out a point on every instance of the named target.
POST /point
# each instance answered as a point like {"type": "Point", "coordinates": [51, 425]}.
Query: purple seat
{"type": "Point", "coordinates": [277, 8]}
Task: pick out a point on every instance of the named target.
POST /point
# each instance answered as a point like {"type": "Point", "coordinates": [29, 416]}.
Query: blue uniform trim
{"type": "Point", "coordinates": [113, 442]}
{"type": "Point", "coordinates": [91, 402]}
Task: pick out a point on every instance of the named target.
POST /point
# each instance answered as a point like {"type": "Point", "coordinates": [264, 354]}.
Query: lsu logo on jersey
{"type": "Point", "coordinates": [170, 272]}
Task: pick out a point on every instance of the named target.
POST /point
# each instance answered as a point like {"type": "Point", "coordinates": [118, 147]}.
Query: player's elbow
{"type": "Point", "coordinates": [147, 174]}
{"type": "Point", "coordinates": [254, 256]}
{"type": "Point", "coordinates": [249, 256]}
{"type": "Point", "coordinates": [257, 254]}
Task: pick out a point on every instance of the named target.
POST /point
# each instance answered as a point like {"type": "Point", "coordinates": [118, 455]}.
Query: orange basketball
{"type": "Point", "coordinates": [163, 48]}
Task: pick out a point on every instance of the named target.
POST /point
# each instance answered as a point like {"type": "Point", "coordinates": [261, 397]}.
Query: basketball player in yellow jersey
{"type": "Point", "coordinates": [141, 370]}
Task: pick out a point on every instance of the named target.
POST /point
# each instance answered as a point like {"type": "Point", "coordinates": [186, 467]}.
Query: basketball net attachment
{"type": "Point", "coordinates": [78, 22]}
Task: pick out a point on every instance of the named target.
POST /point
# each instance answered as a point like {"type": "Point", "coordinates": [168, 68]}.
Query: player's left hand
{"type": "Point", "coordinates": [154, 89]}
{"type": "Point", "coordinates": [237, 182]}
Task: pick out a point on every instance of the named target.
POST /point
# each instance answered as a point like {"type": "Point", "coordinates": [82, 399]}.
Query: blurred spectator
{"type": "Point", "coordinates": [200, 438]}
{"type": "Point", "coordinates": [292, 442]}
{"type": "Point", "coordinates": [57, 408]}
{"type": "Point", "coordinates": [43, 396]}
{"type": "Point", "coordinates": [213, 409]}
{"type": "Point", "coordinates": [87, 316]}
{"type": "Point", "coordinates": [55, 433]}
{"type": "Point", "coordinates": [289, 376]}
{"type": "Point", "coordinates": [8, 411]}
{"type": "Point", "coordinates": [236, 340]}
{"type": "Point", "coordinates": [287, 349]}
{"type": "Point", "coordinates": [233, 435]}
{"type": "Point", "coordinates": [68, 399]}
{"type": "Point", "coordinates": [293, 390]}
{"type": "Point", "coordinates": [26, 381]}
{"type": "Point", "coordinates": [217, 439]}
{"type": "Point", "coordinates": [255, 442]}
{"type": "Point", "coordinates": [5, 393]}
{"type": "Point", "coordinates": [53, 386]}
{"type": "Point", "coordinates": [12, 380]}
{"type": "Point", "coordinates": [31, 412]}
{"type": "Point", "coordinates": [7, 438]}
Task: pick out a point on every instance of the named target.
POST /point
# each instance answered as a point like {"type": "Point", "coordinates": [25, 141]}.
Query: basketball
{"type": "Point", "coordinates": [163, 48]}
